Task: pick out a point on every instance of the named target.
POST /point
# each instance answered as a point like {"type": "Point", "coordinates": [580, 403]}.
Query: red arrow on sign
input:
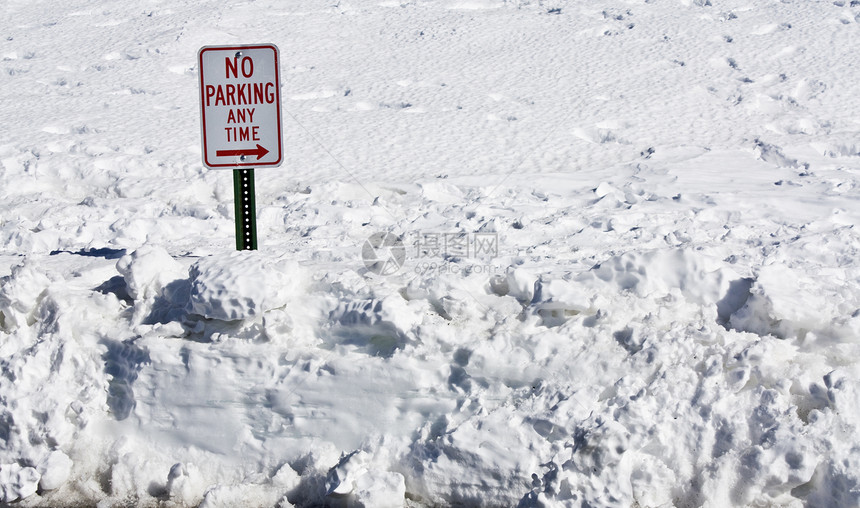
{"type": "Point", "coordinates": [259, 152]}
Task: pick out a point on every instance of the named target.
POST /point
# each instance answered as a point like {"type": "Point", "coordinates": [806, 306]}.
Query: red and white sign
{"type": "Point", "coordinates": [240, 106]}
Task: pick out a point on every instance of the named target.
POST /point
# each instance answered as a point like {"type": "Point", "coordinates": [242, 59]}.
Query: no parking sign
{"type": "Point", "coordinates": [240, 106]}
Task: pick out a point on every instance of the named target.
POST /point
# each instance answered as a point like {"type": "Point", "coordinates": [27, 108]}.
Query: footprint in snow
{"type": "Point", "coordinates": [770, 28]}
{"type": "Point", "coordinates": [318, 94]}
{"type": "Point", "coordinates": [599, 136]}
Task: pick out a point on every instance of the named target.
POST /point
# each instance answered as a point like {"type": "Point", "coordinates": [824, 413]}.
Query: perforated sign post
{"type": "Point", "coordinates": [240, 111]}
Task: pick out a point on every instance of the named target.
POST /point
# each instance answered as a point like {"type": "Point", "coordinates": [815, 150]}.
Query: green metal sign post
{"type": "Point", "coordinates": [246, 209]}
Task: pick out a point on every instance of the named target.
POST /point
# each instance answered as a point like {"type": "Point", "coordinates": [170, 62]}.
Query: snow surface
{"type": "Point", "coordinates": [669, 315]}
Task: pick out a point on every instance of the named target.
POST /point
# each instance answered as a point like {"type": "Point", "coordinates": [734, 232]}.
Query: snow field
{"type": "Point", "coordinates": [670, 318]}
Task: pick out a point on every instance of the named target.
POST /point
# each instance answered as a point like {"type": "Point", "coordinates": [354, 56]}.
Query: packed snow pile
{"type": "Point", "coordinates": [620, 266]}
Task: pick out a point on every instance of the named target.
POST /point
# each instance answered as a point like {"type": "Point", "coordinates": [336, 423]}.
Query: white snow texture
{"type": "Point", "coordinates": [631, 257]}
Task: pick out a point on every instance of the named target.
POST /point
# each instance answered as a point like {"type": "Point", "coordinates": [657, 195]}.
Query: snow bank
{"type": "Point", "coordinates": [629, 382]}
{"type": "Point", "coordinates": [244, 285]}
{"type": "Point", "coordinates": [787, 304]}
{"type": "Point", "coordinates": [21, 292]}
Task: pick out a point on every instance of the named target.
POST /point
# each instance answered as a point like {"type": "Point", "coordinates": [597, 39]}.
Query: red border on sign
{"type": "Point", "coordinates": [277, 101]}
